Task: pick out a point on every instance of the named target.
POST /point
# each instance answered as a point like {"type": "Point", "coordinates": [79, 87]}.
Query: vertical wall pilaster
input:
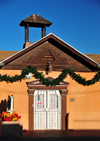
{"type": "Point", "coordinates": [64, 107]}
{"type": "Point", "coordinates": [31, 110]}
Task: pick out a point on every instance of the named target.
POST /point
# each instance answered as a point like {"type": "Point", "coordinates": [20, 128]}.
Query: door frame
{"type": "Point", "coordinates": [37, 85]}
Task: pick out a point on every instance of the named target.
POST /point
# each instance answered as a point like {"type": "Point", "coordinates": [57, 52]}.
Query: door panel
{"type": "Point", "coordinates": [39, 109]}
{"type": "Point", "coordinates": [47, 109]}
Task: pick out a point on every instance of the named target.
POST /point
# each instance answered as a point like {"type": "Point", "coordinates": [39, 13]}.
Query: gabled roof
{"type": "Point", "coordinates": [36, 84]}
{"type": "Point", "coordinates": [56, 40]}
{"type": "Point", "coordinates": [5, 54]}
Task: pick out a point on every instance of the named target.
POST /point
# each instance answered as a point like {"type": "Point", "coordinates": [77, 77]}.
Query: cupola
{"type": "Point", "coordinates": [34, 20]}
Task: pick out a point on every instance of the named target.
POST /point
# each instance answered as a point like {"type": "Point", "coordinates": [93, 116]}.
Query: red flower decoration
{"type": "Point", "coordinates": [0, 115]}
{"type": "Point", "coordinates": [19, 117]}
{"type": "Point", "coordinates": [7, 119]}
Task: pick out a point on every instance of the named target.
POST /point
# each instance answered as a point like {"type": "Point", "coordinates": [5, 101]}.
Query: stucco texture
{"type": "Point", "coordinates": [83, 102]}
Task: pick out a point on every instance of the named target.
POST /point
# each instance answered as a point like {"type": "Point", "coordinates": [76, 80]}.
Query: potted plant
{"type": "Point", "coordinates": [11, 126]}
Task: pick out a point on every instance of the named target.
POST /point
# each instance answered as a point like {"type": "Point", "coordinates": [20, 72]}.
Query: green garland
{"type": "Point", "coordinates": [48, 82]}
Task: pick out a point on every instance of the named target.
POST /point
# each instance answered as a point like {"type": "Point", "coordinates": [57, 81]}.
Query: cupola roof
{"type": "Point", "coordinates": [35, 20]}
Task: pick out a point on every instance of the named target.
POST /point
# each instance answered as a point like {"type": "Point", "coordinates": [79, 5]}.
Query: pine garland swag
{"type": "Point", "coordinates": [48, 82]}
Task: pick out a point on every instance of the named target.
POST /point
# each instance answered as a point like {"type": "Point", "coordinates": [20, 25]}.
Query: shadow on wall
{"type": "Point", "coordinates": [3, 106]}
{"type": "Point", "coordinates": [66, 120]}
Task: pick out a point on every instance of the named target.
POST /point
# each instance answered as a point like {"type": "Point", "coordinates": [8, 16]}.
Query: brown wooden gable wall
{"type": "Point", "coordinates": [59, 57]}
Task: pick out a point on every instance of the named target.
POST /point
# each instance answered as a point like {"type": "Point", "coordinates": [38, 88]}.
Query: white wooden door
{"type": "Point", "coordinates": [47, 109]}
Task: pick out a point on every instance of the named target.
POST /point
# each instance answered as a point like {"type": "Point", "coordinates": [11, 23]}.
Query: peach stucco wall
{"type": "Point", "coordinates": [84, 111]}
{"type": "Point", "coordinates": [83, 102]}
{"type": "Point", "coordinates": [19, 91]}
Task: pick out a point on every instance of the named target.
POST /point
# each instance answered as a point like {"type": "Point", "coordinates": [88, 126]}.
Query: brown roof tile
{"type": "Point", "coordinates": [6, 54]}
{"type": "Point", "coordinates": [95, 57]}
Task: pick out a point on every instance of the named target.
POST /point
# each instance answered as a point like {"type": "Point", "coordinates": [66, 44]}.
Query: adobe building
{"type": "Point", "coordinates": [67, 105]}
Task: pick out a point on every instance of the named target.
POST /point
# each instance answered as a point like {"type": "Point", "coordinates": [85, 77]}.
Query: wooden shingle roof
{"type": "Point", "coordinates": [6, 54]}
{"type": "Point", "coordinates": [35, 20]}
{"type": "Point", "coordinates": [95, 57]}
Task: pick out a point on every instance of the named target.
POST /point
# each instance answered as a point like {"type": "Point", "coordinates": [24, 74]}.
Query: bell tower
{"type": "Point", "coordinates": [34, 20]}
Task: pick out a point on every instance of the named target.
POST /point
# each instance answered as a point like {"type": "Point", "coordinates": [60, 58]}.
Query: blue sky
{"type": "Point", "coordinates": [75, 21]}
